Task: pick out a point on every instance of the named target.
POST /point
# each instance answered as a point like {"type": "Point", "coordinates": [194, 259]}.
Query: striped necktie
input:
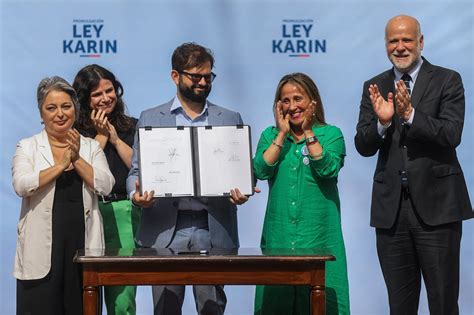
{"type": "Point", "coordinates": [406, 78]}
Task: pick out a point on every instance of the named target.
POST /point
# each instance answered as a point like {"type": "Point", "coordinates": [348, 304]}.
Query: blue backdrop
{"type": "Point", "coordinates": [340, 44]}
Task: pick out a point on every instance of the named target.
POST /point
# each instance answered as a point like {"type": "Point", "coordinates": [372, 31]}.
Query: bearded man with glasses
{"type": "Point", "coordinates": [187, 222]}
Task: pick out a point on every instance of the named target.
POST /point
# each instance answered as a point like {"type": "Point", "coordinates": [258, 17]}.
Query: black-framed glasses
{"type": "Point", "coordinates": [196, 77]}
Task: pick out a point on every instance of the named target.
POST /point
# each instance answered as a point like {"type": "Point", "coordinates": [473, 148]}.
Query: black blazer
{"type": "Point", "coordinates": [435, 179]}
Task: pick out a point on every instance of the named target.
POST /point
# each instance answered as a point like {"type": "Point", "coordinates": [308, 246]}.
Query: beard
{"type": "Point", "coordinates": [403, 66]}
{"type": "Point", "coordinates": [406, 65]}
{"type": "Point", "coordinates": [192, 94]}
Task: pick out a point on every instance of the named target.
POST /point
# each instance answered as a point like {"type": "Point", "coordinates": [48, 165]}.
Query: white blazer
{"type": "Point", "coordinates": [34, 239]}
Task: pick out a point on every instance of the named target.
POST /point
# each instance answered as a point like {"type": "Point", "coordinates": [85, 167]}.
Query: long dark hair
{"type": "Point", "coordinates": [87, 80]}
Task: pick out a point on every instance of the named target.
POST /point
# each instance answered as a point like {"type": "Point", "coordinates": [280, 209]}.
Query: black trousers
{"type": "Point", "coordinates": [60, 292]}
{"type": "Point", "coordinates": [411, 250]}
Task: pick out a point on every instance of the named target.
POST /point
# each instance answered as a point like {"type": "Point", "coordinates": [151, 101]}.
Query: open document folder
{"type": "Point", "coordinates": [195, 161]}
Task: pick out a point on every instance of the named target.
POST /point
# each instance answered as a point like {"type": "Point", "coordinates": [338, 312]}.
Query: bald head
{"type": "Point", "coordinates": [404, 21]}
{"type": "Point", "coordinates": [403, 42]}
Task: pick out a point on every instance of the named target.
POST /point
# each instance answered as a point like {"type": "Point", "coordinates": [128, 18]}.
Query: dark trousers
{"type": "Point", "coordinates": [412, 249]}
{"type": "Point", "coordinates": [191, 232]}
{"type": "Point", "coordinates": [60, 291]}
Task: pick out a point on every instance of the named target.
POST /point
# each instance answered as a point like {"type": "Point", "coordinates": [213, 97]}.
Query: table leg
{"type": "Point", "coordinates": [318, 300]}
{"type": "Point", "coordinates": [90, 297]}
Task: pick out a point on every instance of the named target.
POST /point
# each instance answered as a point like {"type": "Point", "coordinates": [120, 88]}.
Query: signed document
{"type": "Point", "coordinates": [195, 161]}
{"type": "Point", "coordinates": [166, 161]}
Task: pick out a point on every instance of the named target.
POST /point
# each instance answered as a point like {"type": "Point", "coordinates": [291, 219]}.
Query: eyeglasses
{"type": "Point", "coordinates": [196, 77]}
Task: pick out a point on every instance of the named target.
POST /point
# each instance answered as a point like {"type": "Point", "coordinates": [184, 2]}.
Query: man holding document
{"type": "Point", "coordinates": [190, 223]}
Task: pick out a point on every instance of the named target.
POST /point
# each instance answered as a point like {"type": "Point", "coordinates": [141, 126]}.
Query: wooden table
{"type": "Point", "coordinates": [146, 266]}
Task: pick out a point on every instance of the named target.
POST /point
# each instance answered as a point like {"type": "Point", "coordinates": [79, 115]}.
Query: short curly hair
{"type": "Point", "coordinates": [56, 83]}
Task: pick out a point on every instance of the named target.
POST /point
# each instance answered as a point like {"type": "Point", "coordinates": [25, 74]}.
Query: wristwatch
{"type": "Point", "coordinates": [311, 140]}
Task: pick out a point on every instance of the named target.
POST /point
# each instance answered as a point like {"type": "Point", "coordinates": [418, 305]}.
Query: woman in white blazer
{"type": "Point", "coordinates": [58, 174]}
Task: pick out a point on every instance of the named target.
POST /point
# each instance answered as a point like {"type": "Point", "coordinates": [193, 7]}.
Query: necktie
{"type": "Point", "coordinates": [406, 78]}
{"type": "Point", "coordinates": [403, 174]}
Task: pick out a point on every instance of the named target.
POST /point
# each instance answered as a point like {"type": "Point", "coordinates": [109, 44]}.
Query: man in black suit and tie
{"type": "Point", "coordinates": [413, 115]}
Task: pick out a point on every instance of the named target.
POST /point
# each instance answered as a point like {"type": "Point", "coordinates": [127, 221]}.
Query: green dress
{"type": "Point", "coordinates": [303, 211]}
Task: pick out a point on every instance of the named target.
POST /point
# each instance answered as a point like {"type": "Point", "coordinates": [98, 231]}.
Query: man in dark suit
{"type": "Point", "coordinates": [413, 115]}
{"type": "Point", "coordinates": [187, 222]}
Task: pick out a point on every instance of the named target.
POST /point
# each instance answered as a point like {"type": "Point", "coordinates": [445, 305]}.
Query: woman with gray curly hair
{"type": "Point", "coordinates": [58, 174]}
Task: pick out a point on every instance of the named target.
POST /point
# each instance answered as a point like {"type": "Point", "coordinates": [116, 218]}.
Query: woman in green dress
{"type": "Point", "coordinates": [301, 158]}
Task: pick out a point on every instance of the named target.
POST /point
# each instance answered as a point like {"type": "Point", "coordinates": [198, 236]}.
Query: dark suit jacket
{"type": "Point", "coordinates": [158, 223]}
{"type": "Point", "coordinates": [435, 179]}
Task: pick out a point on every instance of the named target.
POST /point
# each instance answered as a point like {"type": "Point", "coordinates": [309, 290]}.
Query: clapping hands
{"type": "Point", "coordinates": [382, 108]}
{"type": "Point", "coordinates": [403, 100]}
